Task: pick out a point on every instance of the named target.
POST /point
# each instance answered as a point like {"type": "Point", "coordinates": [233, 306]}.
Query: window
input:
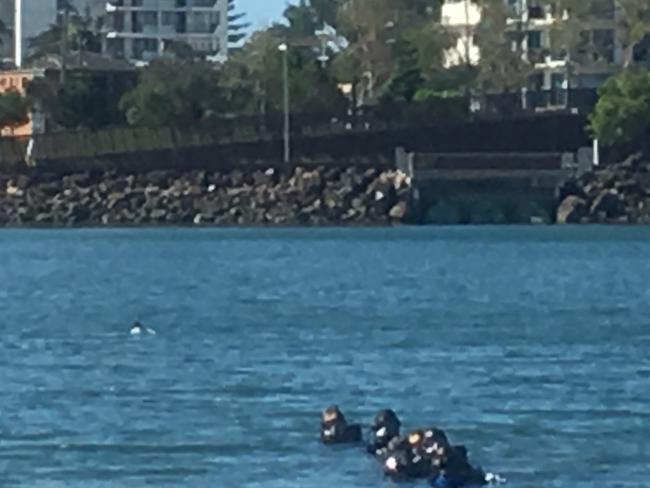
{"type": "Point", "coordinates": [534, 40]}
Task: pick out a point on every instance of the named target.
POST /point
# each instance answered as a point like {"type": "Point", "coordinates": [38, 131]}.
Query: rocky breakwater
{"type": "Point", "coordinates": [300, 196]}
{"type": "Point", "coordinates": [618, 193]}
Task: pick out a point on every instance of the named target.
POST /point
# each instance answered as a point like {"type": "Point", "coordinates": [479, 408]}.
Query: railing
{"type": "Point", "coordinates": [507, 105]}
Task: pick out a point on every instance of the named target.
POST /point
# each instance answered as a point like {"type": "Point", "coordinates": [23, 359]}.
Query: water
{"type": "Point", "coordinates": [529, 345]}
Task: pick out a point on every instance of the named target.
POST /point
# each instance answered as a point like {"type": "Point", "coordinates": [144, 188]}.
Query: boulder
{"type": "Point", "coordinates": [399, 212]}
{"type": "Point", "coordinates": [629, 187]}
{"type": "Point", "coordinates": [158, 214]}
{"type": "Point", "coordinates": [609, 203]}
{"type": "Point", "coordinates": [572, 210]}
{"type": "Point", "coordinates": [236, 178]}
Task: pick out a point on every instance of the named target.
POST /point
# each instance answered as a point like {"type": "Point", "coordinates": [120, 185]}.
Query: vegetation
{"type": "Point", "coordinates": [622, 114]}
{"type": "Point", "coordinates": [174, 93]}
{"type": "Point", "coordinates": [391, 53]}
{"type": "Point", "coordinates": [14, 110]}
{"type": "Point", "coordinates": [80, 33]}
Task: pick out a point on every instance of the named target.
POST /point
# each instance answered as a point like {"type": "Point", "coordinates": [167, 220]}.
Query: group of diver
{"type": "Point", "coordinates": [421, 454]}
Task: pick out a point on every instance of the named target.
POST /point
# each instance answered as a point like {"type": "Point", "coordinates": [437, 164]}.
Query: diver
{"type": "Point", "coordinates": [138, 329]}
{"type": "Point", "coordinates": [334, 429]}
{"type": "Point", "coordinates": [384, 429]}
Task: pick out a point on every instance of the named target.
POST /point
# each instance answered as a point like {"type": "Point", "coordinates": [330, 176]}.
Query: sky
{"type": "Point", "coordinates": [260, 13]}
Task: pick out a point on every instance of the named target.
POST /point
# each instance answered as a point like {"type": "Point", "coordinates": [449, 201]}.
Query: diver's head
{"type": "Point", "coordinates": [386, 425]}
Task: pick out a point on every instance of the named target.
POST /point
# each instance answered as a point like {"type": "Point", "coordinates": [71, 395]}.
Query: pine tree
{"type": "Point", "coordinates": [236, 29]}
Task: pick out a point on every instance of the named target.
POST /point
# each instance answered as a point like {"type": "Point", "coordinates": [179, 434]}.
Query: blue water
{"type": "Point", "coordinates": [529, 345]}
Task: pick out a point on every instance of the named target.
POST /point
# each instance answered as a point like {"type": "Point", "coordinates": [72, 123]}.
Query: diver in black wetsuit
{"type": "Point", "coordinates": [334, 429]}
{"type": "Point", "coordinates": [385, 428]}
{"type": "Point", "coordinates": [407, 458]}
{"type": "Point", "coordinates": [453, 470]}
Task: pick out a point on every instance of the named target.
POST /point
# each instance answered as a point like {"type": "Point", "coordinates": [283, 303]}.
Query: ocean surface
{"type": "Point", "coordinates": [531, 346]}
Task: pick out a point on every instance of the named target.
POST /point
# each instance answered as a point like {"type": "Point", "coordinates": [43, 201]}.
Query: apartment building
{"type": "Point", "coordinates": [597, 55]}
{"type": "Point", "coordinates": [22, 20]}
{"type": "Point", "coordinates": [141, 30]}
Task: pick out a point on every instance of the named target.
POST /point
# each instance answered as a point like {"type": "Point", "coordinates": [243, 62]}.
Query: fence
{"type": "Point", "coordinates": [138, 149]}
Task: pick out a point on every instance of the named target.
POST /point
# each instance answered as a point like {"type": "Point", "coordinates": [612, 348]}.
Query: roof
{"type": "Point", "coordinates": [82, 61]}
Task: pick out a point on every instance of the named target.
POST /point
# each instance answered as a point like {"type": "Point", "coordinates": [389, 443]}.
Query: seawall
{"type": "Point", "coordinates": [317, 196]}
{"type": "Point", "coordinates": [138, 176]}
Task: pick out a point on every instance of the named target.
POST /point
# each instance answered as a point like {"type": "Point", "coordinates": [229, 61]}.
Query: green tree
{"type": "Point", "coordinates": [394, 43]}
{"type": "Point", "coordinates": [622, 114]}
{"type": "Point", "coordinates": [174, 93]}
{"type": "Point", "coordinates": [253, 75]}
{"type": "Point", "coordinates": [326, 11]}
{"type": "Point", "coordinates": [407, 78]}
{"type": "Point", "coordinates": [85, 100]}
{"type": "Point", "coordinates": [14, 109]}
{"type": "Point", "coordinates": [303, 22]}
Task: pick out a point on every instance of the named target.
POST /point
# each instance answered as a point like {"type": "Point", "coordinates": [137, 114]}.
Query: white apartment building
{"type": "Point", "coordinates": [140, 30]}
{"type": "Point", "coordinates": [23, 19]}
{"type": "Point", "coordinates": [599, 55]}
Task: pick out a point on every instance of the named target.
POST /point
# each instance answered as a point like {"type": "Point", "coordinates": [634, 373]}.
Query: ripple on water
{"type": "Point", "coordinates": [527, 345]}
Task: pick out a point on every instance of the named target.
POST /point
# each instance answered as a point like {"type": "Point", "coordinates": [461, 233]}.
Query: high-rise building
{"type": "Point", "coordinates": [140, 30]}
{"type": "Point", "coordinates": [598, 56]}
{"type": "Point", "coordinates": [21, 21]}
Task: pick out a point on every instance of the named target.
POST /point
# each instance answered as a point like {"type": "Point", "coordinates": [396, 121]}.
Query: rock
{"type": "Point", "coordinates": [160, 179]}
{"type": "Point", "coordinates": [633, 162]}
{"type": "Point", "coordinates": [399, 211]}
{"type": "Point", "coordinates": [317, 196]}
{"type": "Point", "coordinates": [629, 187]}
{"type": "Point", "coordinates": [158, 214]}
{"type": "Point", "coordinates": [236, 178]}
{"type": "Point", "coordinates": [610, 203]}
{"type": "Point", "coordinates": [590, 191]}
{"type": "Point", "coordinates": [13, 190]}
{"type": "Point", "coordinates": [573, 187]}
{"type": "Point", "coordinates": [571, 210]}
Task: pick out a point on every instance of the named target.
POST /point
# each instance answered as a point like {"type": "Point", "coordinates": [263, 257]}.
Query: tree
{"type": "Point", "coordinates": [326, 11]}
{"type": "Point", "coordinates": [4, 30]}
{"type": "Point", "coordinates": [503, 66]}
{"type": "Point", "coordinates": [303, 22]}
{"type": "Point", "coordinates": [253, 75]}
{"type": "Point", "coordinates": [85, 100]}
{"type": "Point", "coordinates": [622, 114]}
{"type": "Point", "coordinates": [236, 30]}
{"type": "Point", "coordinates": [181, 50]}
{"type": "Point", "coordinates": [80, 35]}
{"type": "Point", "coordinates": [635, 25]}
{"type": "Point", "coordinates": [407, 79]}
{"type": "Point", "coordinates": [174, 93]}
{"type": "Point", "coordinates": [369, 32]}
{"type": "Point", "coordinates": [387, 38]}
{"type": "Point", "coordinates": [14, 109]}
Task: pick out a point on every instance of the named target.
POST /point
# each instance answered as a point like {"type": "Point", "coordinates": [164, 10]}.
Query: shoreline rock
{"type": "Point", "coordinates": [259, 197]}
{"type": "Point", "coordinates": [616, 194]}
